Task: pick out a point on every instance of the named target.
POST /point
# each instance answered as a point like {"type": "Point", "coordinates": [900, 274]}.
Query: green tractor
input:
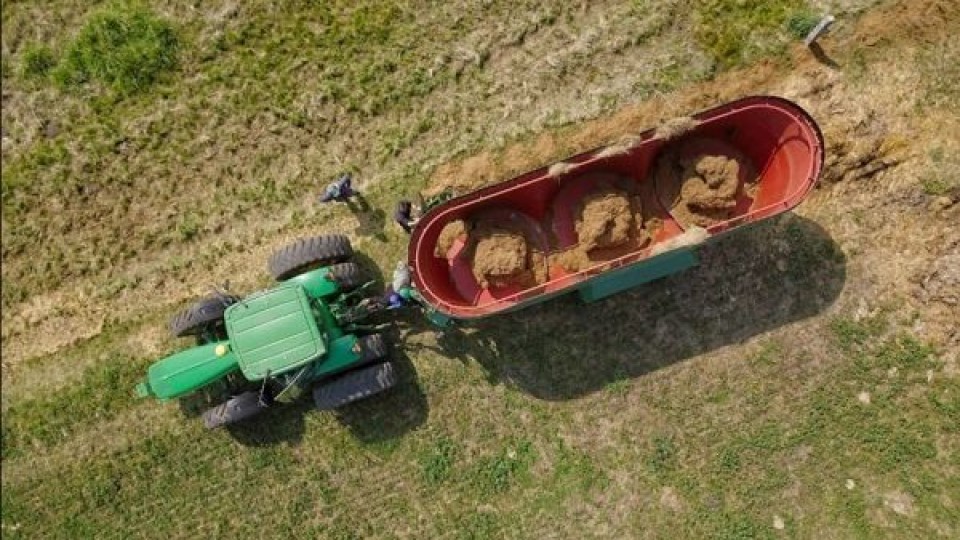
{"type": "Point", "coordinates": [310, 331]}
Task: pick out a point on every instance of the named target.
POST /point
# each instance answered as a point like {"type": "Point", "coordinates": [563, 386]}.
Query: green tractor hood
{"type": "Point", "coordinates": [274, 332]}
{"type": "Point", "coordinates": [188, 370]}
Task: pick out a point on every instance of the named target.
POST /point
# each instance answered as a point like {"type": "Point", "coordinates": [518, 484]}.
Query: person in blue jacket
{"type": "Point", "coordinates": [340, 190]}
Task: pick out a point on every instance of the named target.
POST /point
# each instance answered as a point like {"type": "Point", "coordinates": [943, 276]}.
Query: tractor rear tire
{"type": "Point", "coordinates": [233, 410]}
{"type": "Point", "coordinates": [348, 276]}
{"type": "Point", "coordinates": [308, 253]}
{"type": "Point", "coordinates": [201, 315]}
{"type": "Point", "coordinates": [373, 348]}
{"type": "Point", "coordinates": [354, 385]}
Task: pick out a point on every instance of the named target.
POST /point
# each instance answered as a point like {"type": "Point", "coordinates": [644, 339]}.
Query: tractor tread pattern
{"type": "Point", "coordinates": [298, 256]}
{"type": "Point", "coordinates": [348, 276]}
{"type": "Point", "coordinates": [201, 314]}
{"type": "Point", "coordinates": [354, 386]}
{"type": "Point", "coordinates": [235, 409]}
{"type": "Point", "coordinates": [374, 347]}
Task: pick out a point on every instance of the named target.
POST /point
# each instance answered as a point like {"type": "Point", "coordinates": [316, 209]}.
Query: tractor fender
{"type": "Point", "coordinates": [318, 283]}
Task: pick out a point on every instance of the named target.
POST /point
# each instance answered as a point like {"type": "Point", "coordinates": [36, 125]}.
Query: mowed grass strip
{"type": "Point", "coordinates": [102, 392]}
{"type": "Point", "coordinates": [107, 151]}
{"type": "Point", "coordinates": [515, 475]}
{"type": "Point", "coordinates": [250, 86]}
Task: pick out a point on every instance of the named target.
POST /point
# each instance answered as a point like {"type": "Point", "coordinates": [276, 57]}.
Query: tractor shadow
{"type": "Point", "coordinates": [278, 424]}
{"type": "Point", "coordinates": [379, 418]}
{"type": "Point", "coordinates": [391, 414]}
{"type": "Point", "coordinates": [370, 269]}
{"type": "Point", "coordinates": [771, 274]}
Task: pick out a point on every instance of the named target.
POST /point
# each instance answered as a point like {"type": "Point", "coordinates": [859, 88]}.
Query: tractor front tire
{"type": "Point", "coordinates": [348, 276]}
{"type": "Point", "coordinates": [308, 253]}
{"type": "Point", "coordinates": [201, 315]}
{"type": "Point", "coordinates": [233, 410]}
{"type": "Point", "coordinates": [354, 385]}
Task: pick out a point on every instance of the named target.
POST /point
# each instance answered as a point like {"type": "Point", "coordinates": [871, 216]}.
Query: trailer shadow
{"type": "Point", "coordinates": [779, 271]}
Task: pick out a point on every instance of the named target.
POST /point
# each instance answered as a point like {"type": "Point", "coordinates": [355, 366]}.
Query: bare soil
{"type": "Point", "coordinates": [611, 223]}
{"type": "Point", "coordinates": [451, 231]}
{"type": "Point", "coordinates": [606, 220]}
{"type": "Point", "coordinates": [500, 257]}
{"type": "Point", "coordinates": [702, 190]}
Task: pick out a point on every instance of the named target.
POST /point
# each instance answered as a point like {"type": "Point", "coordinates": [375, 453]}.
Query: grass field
{"type": "Point", "coordinates": [801, 382]}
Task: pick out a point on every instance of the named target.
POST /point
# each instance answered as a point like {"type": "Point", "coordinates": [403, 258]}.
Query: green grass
{"type": "Point", "coordinates": [734, 32]}
{"type": "Point", "coordinates": [495, 474]}
{"type": "Point", "coordinates": [124, 47]}
{"type": "Point", "coordinates": [103, 391]}
{"type": "Point", "coordinates": [800, 23]}
{"type": "Point", "coordinates": [937, 186]}
{"type": "Point", "coordinates": [38, 60]}
{"type": "Point", "coordinates": [493, 478]}
{"type": "Point", "coordinates": [438, 461]}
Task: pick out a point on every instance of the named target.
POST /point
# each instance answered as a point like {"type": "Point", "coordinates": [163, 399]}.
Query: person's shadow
{"type": "Point", "coordinates": [822, 56]}
{"type": "Point", "coordinates": [747, 283]}
{"type": "Point", "coordinates": [370, 221]}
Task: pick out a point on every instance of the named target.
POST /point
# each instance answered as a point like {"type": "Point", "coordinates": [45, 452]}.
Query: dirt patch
{"type": "Point", "coordinates": [448, 235]}
{"type": "Point", "coordinates": [610, 223]}
{"type": "Point", "coordinates": [499, 257]}
{"type": "Point", "coordinates": [942, 284]}
{"type": "Point", "coordinates": [899, 502]}
{"type": "Point", "coordinates": [502, 256]}
{"type": "Point", "coordinates": [468, 175]}
{"type": "Point", "coordinates": [606, 220]}
{"type": "Point", "coordinates": [671, 500]}
{"type": "Point", "coordinates": [921, 20]}
{"type": "Point", "coordinates": [703, 189]}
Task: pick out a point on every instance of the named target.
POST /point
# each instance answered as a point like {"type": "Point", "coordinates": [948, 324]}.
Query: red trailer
{"type": "Point", "coordinates": [715, 172]}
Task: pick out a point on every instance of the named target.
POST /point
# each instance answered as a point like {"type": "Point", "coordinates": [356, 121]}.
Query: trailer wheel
{"type": "Point", "coordinates": [348, 276]}
{"type": "Point", "coordinates": [201, 315]}
{"type": "Point", "coordinates": [308, 253]}
{"type": "Point", "coordinates": [233, 410]}
{"type": "Point", "coordinates": [354, 386]}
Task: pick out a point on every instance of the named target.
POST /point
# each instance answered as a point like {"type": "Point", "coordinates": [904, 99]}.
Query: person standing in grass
{"type": "Point", "coordinates": [403, 215]}
{"type": "Point", "coordinates": [340, 190]}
